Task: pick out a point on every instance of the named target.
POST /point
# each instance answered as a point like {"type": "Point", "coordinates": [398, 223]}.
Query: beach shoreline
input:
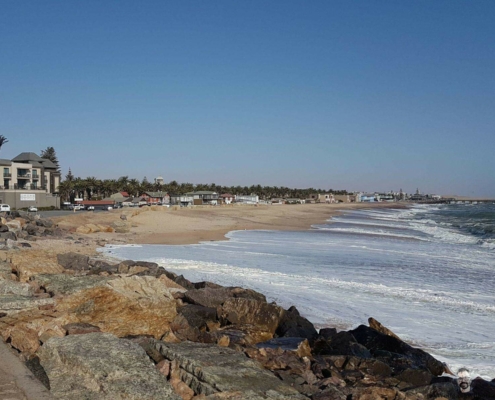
{"type": "Point", "coordinates": [168, 226]}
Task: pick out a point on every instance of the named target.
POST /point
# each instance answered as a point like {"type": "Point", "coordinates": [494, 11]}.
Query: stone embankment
{"type": "Point", "coordinates": [88, 328]}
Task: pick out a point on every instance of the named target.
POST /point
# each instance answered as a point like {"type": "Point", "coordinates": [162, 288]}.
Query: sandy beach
{"type": "Point", "coordinates": [174, 226]}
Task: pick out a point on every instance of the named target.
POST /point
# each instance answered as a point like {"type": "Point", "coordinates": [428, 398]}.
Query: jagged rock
{"type": "Point", "coordinates": [44, 222]}
{"type": "Point", "coordinates": [342, 343]}
{"type": "Point", "coordinates": [261, 318]}
{"type": "Point", "coordinates": [192, 320]}
{"type": "Point", "coordinates": [293, 325]}
{"type": "Point", "coordinates": [187, 284]}
{"type": "Point", "coordinates": [214, 297]}
{"type": "Point", "coordinates": [378, 342]}
{"type": "Point", "coordinates": [377, 326]}
{"type": "Point", "coordinates": [210, 369]}
{"type": "Point", "coordinates": [124, 306]}
{"type": "Point", "coordinates": [75, 261]}
{"type": "Point", "coordinates": [4, 228]}
{"type": "Point", "coordinates": [101, 366]}
{"type": "Point", "coordinates": [62, 284]}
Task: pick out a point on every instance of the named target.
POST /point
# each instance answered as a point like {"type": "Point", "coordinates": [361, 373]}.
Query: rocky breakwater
{"type": "Point", "coordinates": [92, 329]}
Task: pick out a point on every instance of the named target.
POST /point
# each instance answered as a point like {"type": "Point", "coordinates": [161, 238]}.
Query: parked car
{"type": "Point", "coordinates": [90, 208]}
{"type": "Point", "coordinates": [32, 209]}
{"type": "Point", "coordinates": [4, 207]}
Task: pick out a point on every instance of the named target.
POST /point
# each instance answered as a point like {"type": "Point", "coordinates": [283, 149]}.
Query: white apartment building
{"type": "Point", "coordinates": [29, 180]}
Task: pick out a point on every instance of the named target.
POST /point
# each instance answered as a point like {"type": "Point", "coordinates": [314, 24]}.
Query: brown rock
{"type": "Point", "coordinates": [373, 323]}
{"type": "Point", "coordinates": [125, 306]}
{"type": "Point", "coordinates": [164, 367]}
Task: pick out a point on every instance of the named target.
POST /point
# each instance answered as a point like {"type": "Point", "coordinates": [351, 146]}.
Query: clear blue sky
{"type": "Point", "coordinates": [356, 95]}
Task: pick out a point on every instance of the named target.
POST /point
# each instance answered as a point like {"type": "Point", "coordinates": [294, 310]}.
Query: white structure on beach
{"type": "Point", "coordinates": [247, 199]}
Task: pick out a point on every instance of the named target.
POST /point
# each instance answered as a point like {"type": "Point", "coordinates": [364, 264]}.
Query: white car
{"type": "Point", "coordinates": [90, 208]}
{"type": "Point", "coordinates": [32, 209]}
{"type": "Point", "coordinates": [4, 207]}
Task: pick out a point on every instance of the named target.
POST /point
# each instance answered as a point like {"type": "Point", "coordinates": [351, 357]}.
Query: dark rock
{"type": "Point", "coordinates": [376, 341]}
{"type": "Point", "coordinates": [483, 389]}
{"type": "Point", "coordinates": [35, 367]}
{"type": "Point", "coordinates": [214, 297]}
{"type": "Point", "coordinates": [185, 283]}
{"type": "Point", "coordinates": [75, 261]}
{"type": "Point", "coordinates": [293, 325]}
{"type": "Point", "coordinates": [4, 228]}
{"type": "Point", "coordinates": [448, 390]}
{"type": "Point", "coordinates": [375, 368]}
{"type": "Point", "coordinates": [204, 284]}
{"type": "Point", "coordinates": [342, 343]}
{"type": "Point", "coordinates": [327, 333]}
{"type": "Point", "coordinates": [330, 393]}
{"type": "Point", "coordinates": [191, 320]}
{"type": "Point", "coordinates": [415, 377]}
{"type": "Point", "coordinates": [98, 266]}
{"type": "Point", "coordinates": [22, 244]}
{"type": "Point", "coordinates": [31, 229]}
{"type": "Point", "coordinates": [45, 223]}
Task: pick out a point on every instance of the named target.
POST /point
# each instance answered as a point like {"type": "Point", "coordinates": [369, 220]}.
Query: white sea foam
{"type": "Point", "coordinates": [437, 292]}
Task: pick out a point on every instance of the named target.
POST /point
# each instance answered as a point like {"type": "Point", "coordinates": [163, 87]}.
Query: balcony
{"type": "Point", "coordinates": [36, 177]}
{"type": "Point", "coordinates": [7, 175]}
{"type": "Point", "coordinates": [24, 176]}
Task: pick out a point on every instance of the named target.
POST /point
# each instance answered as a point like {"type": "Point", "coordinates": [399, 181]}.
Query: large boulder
{"type": "Point", "coordinates": [293, 324]}
{"type": "Point", "coordinates": [215, 371]}
{"type": "Point", "coordinates": [214, 296]}
{"type": "Point", "coordinates": [75, 261]}
{"type": "Point", "coordinates": [263, 317]}
{"type": "Point", "coordinates": [124, 306]}
{"type": "Point", "coordinates": [101, 366]}
{"type": "Point", "coordinates": [385, 346]}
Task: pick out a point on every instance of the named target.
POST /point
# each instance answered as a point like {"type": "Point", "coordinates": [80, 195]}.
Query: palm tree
{"type": "Point", "coordinates": [3, 140]}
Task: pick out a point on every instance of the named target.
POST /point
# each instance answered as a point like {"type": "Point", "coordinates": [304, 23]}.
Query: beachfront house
{"type": "Point", "coordinates": [153, 198]}
{"type": "Point", "coordinates": [227, 198]}
{"type": "Point", "coordinates": [29, 180]}
{"type": "Point", "coordinates": [204, 197]}
{"type": "Point", "coordinates": [181, 200]}
{"type": "Point", "coordinates": [247, 199]}
{"type": "Point", "coordinates": [294, 201]}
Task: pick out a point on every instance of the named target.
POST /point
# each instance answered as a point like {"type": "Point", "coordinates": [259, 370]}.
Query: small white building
{"type": "Point", "coordinates": [247, 199]}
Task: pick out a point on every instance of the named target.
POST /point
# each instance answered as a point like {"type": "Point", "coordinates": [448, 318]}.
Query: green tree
{"type": "Point", "coordinates": [69, 177]}
{"type": "Point", "coordinates": [50, 154]}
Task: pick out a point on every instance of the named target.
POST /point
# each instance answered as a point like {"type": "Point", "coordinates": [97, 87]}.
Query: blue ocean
{"type": "Point", "coordinates": [426, 272]}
